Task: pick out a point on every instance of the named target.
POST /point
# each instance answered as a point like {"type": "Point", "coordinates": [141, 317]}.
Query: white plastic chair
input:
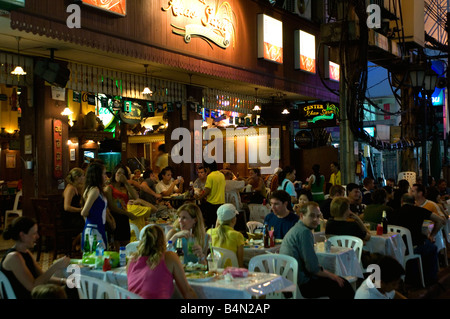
{"type": "Point", "coordinates": [94, 288]}
{"type": "Point", "coordinates": [14, 210]}
{"type": "Point", "coordinates": [233, 198]}
{"type": "Point", "coordinates": [131, 247]}
{"type": "Point", "coordinates": [283, 265]}
{"type": "Point", "coordinates": [253, 225]}
{"type": "Point", "coordinates": [226, 255]}
{"type": "Point", "coordinates": [258, 212]}
{"type": "Point", "coordinates": [6, 291]}
{"type": "Point", "coordinates": [122, 293]}
{"type": "Point", "coordinates": [350, 242]}
{"type": "Point", "coordinates": [409, 176]}
{"type": "Point", "coordinates": [409, 254]}
{"type": "Point", "coordinates": [136, 231]}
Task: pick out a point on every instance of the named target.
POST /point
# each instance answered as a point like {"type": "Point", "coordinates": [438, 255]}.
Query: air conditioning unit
{"type": "Point", "coordinates": [300, 7]}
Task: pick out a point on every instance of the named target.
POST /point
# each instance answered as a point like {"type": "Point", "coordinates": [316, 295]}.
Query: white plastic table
{"type": "Point", "coordinates": [390, 244]}
{"type": "Point", "coordinates": [341, 261]}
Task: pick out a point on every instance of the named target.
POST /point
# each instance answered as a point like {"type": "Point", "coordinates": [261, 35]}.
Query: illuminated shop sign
{"type": "Point", "coordinates": [305, 51]}
{"type": "Point", "coordinates": [114, 6]}
{"type": "Point", "coordinates": [270, 39]}
{"type": "Point", "coordinates": [319, 114]}
{"type": "Point", "coordinates": [334, 71]}
{"type": "Point", "coordinates": [211, 21]}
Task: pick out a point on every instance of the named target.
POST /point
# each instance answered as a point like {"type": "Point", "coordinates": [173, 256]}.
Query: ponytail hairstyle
{"type": "Point", "coordinates": [73, 174]}
{"type": "Point", "coordinates": [94, 177]}
{"type": "Point", "coordinates": [20, 224]}
{"type": "Point", "coordinates": [282, 175]}
{"type": "Point", "coordinates": [152, 245]}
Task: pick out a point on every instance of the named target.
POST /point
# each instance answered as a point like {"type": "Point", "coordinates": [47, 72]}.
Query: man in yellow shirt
{"type": "Point", "coordinates": [335, 178]}
{"type": "Point", "coordinates": [214, 193]}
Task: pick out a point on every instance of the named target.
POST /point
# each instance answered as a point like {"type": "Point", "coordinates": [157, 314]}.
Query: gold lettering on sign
{"type": "Point", "coordinates": [213, 25]}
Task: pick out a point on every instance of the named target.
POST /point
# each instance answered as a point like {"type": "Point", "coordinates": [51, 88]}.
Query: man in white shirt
{"type": "Point", "coordinates": [389, 275]}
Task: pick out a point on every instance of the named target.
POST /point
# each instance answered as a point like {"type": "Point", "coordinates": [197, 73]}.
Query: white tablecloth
{"type": "Point", "coordinates": [255, 285]}
{"type": "Point", "coordinates": [427, 228]}
{"type": "Point", "coordinates": [390, 244]}
{"type": "Point", "coordinates": [341, 261]}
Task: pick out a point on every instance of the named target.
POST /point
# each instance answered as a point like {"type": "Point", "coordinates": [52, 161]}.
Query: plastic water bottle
{"type": "Point", "coordinates": [99, 254]}
{"type": "Point", "coordinates": [122, 257]}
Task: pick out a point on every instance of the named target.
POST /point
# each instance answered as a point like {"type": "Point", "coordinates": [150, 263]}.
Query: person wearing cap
{"type": "Point", "coordinates": [224, 235]}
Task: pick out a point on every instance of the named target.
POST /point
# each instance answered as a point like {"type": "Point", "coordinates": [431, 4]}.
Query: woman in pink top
{"type": "Point", "coordinates": [152, 269]}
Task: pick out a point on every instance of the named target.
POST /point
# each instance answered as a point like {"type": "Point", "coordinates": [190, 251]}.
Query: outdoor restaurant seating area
{"type": "Point", "coordinates": [264, 272]}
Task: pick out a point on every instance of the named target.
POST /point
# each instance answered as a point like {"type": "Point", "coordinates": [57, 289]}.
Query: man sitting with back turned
{"type": "Point", "coordinates": [412, 218]}
{"type": "Point", "coordinates": [280, 218]}
{"type": "Point", "coordinates": [313, 281]}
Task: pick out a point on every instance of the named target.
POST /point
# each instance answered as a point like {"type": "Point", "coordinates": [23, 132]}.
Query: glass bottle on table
{"type": "Point", "coordinates": [180, 251]}
{"type": "Point", "coordinates": [266, 236]}
{"type": "Point", "coordinates": [384, 222]}
{"type": "Point", "coordinates": [87, 247]}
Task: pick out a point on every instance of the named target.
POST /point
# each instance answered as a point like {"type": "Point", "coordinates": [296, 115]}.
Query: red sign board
{"type": "Point", "coordinates": [114, 6]}
{"type": "Point", "coordinates": [57, 149]}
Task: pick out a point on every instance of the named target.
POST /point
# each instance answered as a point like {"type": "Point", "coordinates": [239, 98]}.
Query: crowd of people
{"type": "Point", "coordinates": [106, 206]}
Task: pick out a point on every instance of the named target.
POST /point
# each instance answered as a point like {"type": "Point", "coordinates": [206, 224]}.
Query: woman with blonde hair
{"type": "Point", "coordinates": [152, 269]}
{"type": "Point", "coordinates": [190, 227]}
{"type": "Point", "coordinates": [224, 235]}
{"type": "Point", "coordinates": [72, 198]}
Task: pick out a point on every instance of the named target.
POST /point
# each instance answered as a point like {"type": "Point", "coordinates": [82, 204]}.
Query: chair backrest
{"type": "Point", "coordinates": [136, 231]}
{"type": "Point", "coordinates": [233, 198]}
{"type": "Point", "coordinates": [253, 225]}
{"type": "Point", "coordinates": [350, 242]}
{"type": "Point", "coordinates": [131, 247]}
{"type": "Point", "coordinates": [409, 176]}
{"type": "Point", "coordinates": [227, 256]}
{"type": "Point", "coordinates": [406, 236]}
{"type": "Point", "coordinates": [258, 212]}
{"type": "Point", "coordinates": [16, 200]}
{"type": "Point", "coordinates": [94, 288]}
{"type": "Point", "coordinates": [122, 293]}
{"type": "Point", "coordinates": [283, 265]}
{"type": "Point", "coordinates": [141, 233]}
{"type": "Point", "coordinates": [6, 291]}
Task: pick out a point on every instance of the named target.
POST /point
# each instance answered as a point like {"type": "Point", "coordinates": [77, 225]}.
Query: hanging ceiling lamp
{"type": "Point", "coordinates": [147, 90]}
{"type": "Point", "coordinates": [256, 108]}
{"type": "Point", "coordinates": [285, 112]}
{"type": "Point", "coordinates": [18, 70]}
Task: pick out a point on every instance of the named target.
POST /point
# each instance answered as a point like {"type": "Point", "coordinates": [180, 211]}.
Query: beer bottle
{"type": "Point", "coordinates": [180, 251]}
{"type": "Point", "coordinates": [384, 221]}
{"type": "Point", "coordinates": [266, 236]}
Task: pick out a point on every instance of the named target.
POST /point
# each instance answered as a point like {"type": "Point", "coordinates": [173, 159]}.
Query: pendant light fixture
{"type": "Point", "coordinates": [18, 70]}
{"type": "Point", "coordinates": [147, 90]}
{"type": "Point", "coordinates": [285, 112]}
{"type": "Point", "coordinates": [256, 108]}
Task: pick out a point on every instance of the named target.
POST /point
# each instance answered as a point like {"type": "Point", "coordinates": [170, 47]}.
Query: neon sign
{"type": "Point", "coordinates": [214, 24]}
{"type": "Point", "coordinates": [325, 113]}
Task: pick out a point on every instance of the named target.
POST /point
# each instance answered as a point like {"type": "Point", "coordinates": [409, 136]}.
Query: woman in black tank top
{"type": "Point", "coordinates": [24, 231]}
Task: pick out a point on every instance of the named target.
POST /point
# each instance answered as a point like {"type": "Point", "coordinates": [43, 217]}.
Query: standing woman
{"type": "Point", "coordinates": [190, 227]}
{"type": "Point", "coordinates": [95, 205]}
{"type": "Point", "coordinates": [118, 193]}
{"type": "Point", "coordinates": [71, 217]}
{"type": "Point", "coordinates": [19, 265]}
{"type": "Point", "coordinates": [315, 184]}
